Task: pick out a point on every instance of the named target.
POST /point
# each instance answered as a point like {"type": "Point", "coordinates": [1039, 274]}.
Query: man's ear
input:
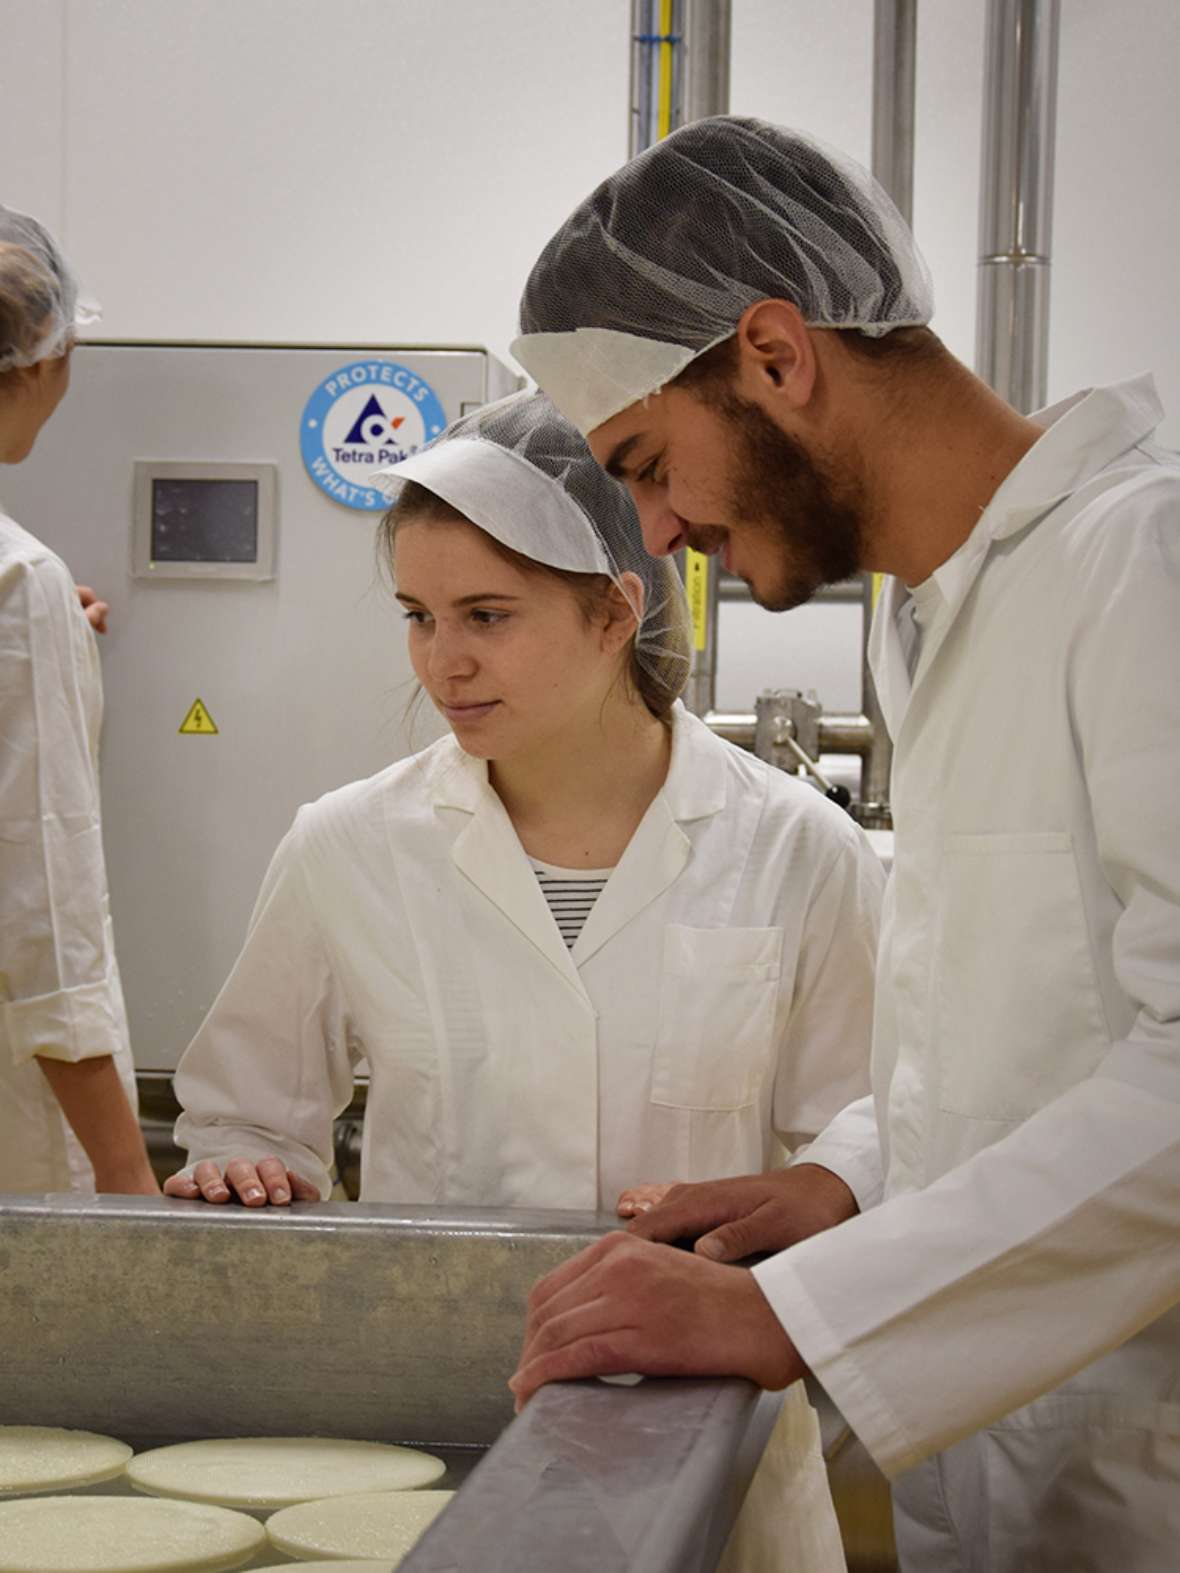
{"type": "Point", "coordinates": [776, 354]}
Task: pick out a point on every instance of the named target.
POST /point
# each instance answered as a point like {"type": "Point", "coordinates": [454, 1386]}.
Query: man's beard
{"type": "Point", "coordinates": [812, 529]}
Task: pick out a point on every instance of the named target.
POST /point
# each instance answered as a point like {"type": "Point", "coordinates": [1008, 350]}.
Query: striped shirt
{"type": "Point", "coordinates": [571, 893]}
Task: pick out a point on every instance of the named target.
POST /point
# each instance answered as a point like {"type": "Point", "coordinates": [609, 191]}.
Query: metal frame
{"type": "Point", "coordinates": [159, 1321]}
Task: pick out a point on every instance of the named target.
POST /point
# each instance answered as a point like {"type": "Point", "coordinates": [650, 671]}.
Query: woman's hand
{"type": "Point", "coordinates": [641, 1199]}
{"type": "Point", "coordinates": [254, 1185]}
{"type": "Point", "coordinates": [96, 610]}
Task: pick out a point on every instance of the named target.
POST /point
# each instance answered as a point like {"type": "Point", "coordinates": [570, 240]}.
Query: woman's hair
{"type": "Point", "coordinates": [657, 679]}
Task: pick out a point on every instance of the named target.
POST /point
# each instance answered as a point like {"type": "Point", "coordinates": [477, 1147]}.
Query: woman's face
{"type": "Point", "coordinates": [508, 657]}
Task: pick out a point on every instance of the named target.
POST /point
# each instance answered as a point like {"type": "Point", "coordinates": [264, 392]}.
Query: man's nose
{"type": "Point", "coordinates": [663, 530]}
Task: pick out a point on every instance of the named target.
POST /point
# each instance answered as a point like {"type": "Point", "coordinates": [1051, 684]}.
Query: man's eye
{"type": "Point", "coordinates": [648, 472]}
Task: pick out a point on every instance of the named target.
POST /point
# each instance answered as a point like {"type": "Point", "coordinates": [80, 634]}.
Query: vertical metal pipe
{"type": "Point", "coordinates": [697, 33]}
{"type": "Point", "coordinates": [708, 31]}
{"type": "Point", "coordinates": [1016, 198]}
{"type": "Point", "coordinates": [895, 31]}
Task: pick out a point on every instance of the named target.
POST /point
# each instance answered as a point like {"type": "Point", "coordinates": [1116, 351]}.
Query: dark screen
{"type": "Point", "coordinates": [204, 521]}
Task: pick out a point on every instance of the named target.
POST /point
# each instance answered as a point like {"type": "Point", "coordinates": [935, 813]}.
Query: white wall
{"type": "Point", "coordinates": [386, 170]}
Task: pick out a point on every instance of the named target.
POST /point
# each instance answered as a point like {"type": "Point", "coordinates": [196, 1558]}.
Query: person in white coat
{"type": "Point", "coordinates": [581, 943]}
{"type": "Point", "coordinates": [67, 1084]}
{"type": "Point", "coordinates": [736, 320]}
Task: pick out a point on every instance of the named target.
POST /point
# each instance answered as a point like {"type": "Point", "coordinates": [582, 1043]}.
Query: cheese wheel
{"type": "Point", "coordinates": [48, 1458]}
{"type": "Point", "coordinates": [276, 1471]}
{"type": "Point", "coordinates": [122, 1535]}
{"type": "Point", "coordinates": [385, 1524]}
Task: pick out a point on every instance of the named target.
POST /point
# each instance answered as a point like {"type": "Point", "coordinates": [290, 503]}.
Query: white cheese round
{"type": "Point", "coordinates": [123, 1535]}
{"type": "Point", "coordinates": [48, 1458]}
{"type": "Point", "coordinates": [380, 1524]}
{"type": "Point", "coordinates": [270, 1472]}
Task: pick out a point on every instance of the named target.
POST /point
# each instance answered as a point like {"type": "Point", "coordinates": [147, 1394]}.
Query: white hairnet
{"type": "Point", "coordinates": [40, 308]}
{"type": "Point", "coordinates": [658, 264]}
{"type": "Point", "coordinates": [523, 475]}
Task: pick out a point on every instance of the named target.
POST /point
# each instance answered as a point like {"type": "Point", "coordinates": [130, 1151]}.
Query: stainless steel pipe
{"type": "Point", "coordinates": [839, 732]}
{"type": "Point", "coordinates": [895, 31]}
{"type": "Point", "coordinates": [1016, 199]}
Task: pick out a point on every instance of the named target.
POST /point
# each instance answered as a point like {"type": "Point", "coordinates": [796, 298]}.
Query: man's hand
{"type": "Point", "coordinates": [255, 1185]}
{"type": "Point", "coordinates": [628, 1305]}
{"type": "Point", "coordinates": [640, 1199]}
{"type": "Point", "coordinates": [96, 610]}
{"type": "Point", "coordinates": [757, 1212]}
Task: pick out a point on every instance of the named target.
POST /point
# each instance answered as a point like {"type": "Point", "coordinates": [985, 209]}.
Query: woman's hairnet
{"type": "Point", "coordinates": [658, 264]}
{"type": "Point", "coordinates": [40, 307]}
{"type": "Point", "coordinates": [523, 475]}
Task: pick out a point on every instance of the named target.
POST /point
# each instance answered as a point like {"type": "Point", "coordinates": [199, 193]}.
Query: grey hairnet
{"type": "Point", "coordinates": [522, 474]}
{"type": "Point", "coordinates": [673, 247]}
{"type": "Point", "coordinates": [40, 308]}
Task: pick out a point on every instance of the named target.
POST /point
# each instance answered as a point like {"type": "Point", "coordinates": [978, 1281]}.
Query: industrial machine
{"type": "Point", "coordinates": [159, 1321]}
{"type": "Point", "coordinates": [216, 497]}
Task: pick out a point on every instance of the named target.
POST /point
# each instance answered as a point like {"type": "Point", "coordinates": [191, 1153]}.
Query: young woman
{"type": "Point", "coordinates": [67, 1086]}
{"type": "Point", "coordinates": [579, 944]}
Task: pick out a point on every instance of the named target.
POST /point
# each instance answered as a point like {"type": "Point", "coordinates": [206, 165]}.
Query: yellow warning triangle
{"type": "Point", "coordinates": [198, 722]}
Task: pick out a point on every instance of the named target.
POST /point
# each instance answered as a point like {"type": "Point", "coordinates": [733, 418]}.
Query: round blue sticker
{"type": "Point", "coordinates": [366, 415]}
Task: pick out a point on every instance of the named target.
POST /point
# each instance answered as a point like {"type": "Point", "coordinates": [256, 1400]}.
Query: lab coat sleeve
{"type": "Point", "coordinates": [946, 1308]}
{"type": "Point", "coordinates": [272, 1065]}
{"type": "Point", "coordinates": [59, 985]}
{"type": "Point", "coordinates": [824, 1053]}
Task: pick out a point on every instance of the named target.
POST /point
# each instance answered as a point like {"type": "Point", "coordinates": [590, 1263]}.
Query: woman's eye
{"type": "Point", "coordinates": [488, 619]}
{"type": "Point", "coordinates": [419, 619]}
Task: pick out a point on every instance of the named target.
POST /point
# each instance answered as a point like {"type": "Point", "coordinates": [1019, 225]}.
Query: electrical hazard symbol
{"type": "Point", "coordinates": [198, 722]}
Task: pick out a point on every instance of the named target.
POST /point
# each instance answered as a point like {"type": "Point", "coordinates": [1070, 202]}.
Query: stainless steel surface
{"type": "Point", "coordinates": [895, 25]}
{"type": "Point", "coordinates": [595, 1479]}
{"type": "Point", "coordinates": [708, 32]}
{"type": "Point", "coordinates": [1016, 198]}
{"type": "Point", "coordinates": [161, 1321]}
{"type": "Point", "coordinates": [840, 732]}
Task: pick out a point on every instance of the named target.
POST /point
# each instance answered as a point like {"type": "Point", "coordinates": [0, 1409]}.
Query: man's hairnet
{"type": "Point", "coordinates": [658, 264]}
{"type": "Point", "coordinates": [522, 474]}
{"type": "Point", "coordinates": [40, 307]}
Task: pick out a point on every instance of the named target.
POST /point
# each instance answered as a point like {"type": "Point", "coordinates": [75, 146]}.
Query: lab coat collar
{"type": "Point", "coordinates": [488, 851]}
{"type": "Point", "coordinates": [1083, 435]}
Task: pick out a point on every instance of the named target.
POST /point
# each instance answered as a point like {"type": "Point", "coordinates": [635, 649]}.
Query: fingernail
{"type": "Point", "coordinates": [713, 1249]}
{"type": "Point", "coordinates": [643, 1207]}
{"type": "Point", "coordinates": [282, 1195]}
{"type": "Point", "coordinates": [218, 1190]}
{"type": "Point", "coordinates": [253, 1194]}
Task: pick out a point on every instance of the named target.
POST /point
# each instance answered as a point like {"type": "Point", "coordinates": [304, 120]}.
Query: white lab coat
{"type": "Point", "coordinates": [1026, 1059]}
{"type": "Point", "coordinates": [715, 1008]}
{"type": "Point", "coordinates": [60, 996]}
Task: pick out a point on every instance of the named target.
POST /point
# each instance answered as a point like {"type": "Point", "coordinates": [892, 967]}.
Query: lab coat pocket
{"type": "Point", "coordinates": [1084, 1483]}
{"type": "Point", "coordinates": [718, 994]}
{"type": "Point", "coordinates": [1017, 1014]}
